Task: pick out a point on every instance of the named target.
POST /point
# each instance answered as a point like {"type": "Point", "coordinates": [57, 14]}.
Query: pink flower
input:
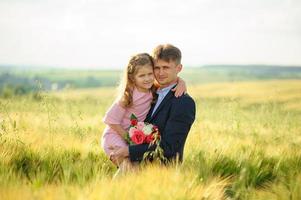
{"type": "Point", "coordinates": [140, 125]}
{"type": "Point", "coordinates": [132, 130]}
{"type": "Point", "coordinates": [138, 137]}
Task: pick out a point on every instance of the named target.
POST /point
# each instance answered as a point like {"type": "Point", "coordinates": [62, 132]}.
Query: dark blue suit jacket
{"type": "Point", "coordinates": [174, 117]}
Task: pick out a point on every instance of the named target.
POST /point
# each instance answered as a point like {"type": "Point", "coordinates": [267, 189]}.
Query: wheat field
{"type": "Point", "coordinates": [244, 144]}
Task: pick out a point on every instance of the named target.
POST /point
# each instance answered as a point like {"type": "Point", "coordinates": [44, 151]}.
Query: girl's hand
{"type": "Point", "coordinates": [119, 154]}
{"type": "Point", "coordinates": [181, 88]}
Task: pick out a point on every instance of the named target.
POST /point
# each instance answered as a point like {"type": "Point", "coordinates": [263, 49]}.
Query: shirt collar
{"type": "Point", "coordinates": [166, 89]}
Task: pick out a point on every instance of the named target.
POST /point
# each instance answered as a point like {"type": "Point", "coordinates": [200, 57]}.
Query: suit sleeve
{"type": "Point", "coordinates": [180, 119]}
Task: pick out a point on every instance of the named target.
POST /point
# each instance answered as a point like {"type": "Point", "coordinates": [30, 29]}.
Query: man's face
{"type": "Point", "coordinates": [166, 73]}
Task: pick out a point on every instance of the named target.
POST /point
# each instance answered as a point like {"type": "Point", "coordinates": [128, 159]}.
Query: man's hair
{"type": "Point", "coordinates": [167, 52]}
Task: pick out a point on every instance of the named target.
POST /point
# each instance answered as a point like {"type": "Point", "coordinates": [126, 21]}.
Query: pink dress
{"type": "Point", "coordinates": [119, 115]}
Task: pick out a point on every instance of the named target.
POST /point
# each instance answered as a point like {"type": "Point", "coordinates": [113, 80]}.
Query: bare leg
{"type": "Point", "coordinates": [125, 167]}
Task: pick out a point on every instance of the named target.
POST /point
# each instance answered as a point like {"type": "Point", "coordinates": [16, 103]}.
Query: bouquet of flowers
{"type": "Point", "coordinates": [142, 132]}
{"type": "Point", "coordinates": [145, 133]}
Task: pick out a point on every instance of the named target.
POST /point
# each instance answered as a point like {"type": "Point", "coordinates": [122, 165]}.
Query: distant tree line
{"type": "Point", "coordinates": [16, 82]}
{"type": "Point", "coordinates": [257, 71]}
{"type": "Point", "coordinates": [12, 85]}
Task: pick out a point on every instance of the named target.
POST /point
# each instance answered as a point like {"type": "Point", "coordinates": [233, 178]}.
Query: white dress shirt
{"type": "Point", "coordinates": [162, 93]}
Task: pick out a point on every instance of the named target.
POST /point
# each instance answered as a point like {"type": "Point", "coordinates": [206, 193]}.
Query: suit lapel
{"type": "Point", "coordinates": [148, 116]}
{"type": "Point", "coordinates": [164, 101]}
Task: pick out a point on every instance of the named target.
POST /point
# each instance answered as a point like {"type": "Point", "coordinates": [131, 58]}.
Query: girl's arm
{"type": "Point", "coordinates": [118, 128]}
{"type": "Point", "coordinates": [181, 88]}
{"type": "Point", "coordinates": [114, 117]}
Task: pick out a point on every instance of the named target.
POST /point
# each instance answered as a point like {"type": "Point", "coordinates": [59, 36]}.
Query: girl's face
{"type": "Point", "coordinates": [144, 78]}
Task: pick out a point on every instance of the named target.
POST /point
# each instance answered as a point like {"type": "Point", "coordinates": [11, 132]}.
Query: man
{"type": "Point", "coordinates": [173, 116]}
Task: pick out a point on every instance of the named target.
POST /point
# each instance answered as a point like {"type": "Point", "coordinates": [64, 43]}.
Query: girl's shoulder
{"type": "Point", "coordinates": [117, 104]}
{"type": "Point", "coordinates": [138, 95]}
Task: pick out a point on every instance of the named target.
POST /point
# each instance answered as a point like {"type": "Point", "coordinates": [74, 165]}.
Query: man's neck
{"type": "Point", "coordinates": [167, 85]}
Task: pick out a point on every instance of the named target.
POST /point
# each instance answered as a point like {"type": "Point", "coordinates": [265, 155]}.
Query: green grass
{"type": "Point", "coordinates": [244, 144]}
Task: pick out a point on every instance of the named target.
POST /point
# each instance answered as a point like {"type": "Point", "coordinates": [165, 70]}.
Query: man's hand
{"type": "Point", "coordinates": [180, 88]}
{"type": "Point", "coordinates": [118, 154]}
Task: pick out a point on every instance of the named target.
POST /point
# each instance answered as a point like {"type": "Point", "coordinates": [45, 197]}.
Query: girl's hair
{"type": "Point", "coordinates": [128, 83]}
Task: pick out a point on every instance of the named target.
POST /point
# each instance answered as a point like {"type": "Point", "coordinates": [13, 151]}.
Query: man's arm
{"type": "Point", "coordinates": [181, 117]}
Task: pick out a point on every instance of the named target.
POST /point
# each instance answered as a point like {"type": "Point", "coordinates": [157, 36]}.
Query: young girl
{"type": "Point", "coordinates": [136, 96]}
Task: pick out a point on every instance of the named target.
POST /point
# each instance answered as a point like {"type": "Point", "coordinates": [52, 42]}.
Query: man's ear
{"type": "Point", "coordinates": [179, 68]}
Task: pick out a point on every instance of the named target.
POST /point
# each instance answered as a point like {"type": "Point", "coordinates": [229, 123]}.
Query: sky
{"type": "Point", "coordinates": [105, 33]}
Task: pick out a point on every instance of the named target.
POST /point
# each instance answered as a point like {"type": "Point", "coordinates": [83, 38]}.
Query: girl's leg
{"type": "Point", "coordinates": [110, 141]}
{"type": "Point", "coordinates": [113, 140]}
{"type": "Point", "coordinates": [125, 167]}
